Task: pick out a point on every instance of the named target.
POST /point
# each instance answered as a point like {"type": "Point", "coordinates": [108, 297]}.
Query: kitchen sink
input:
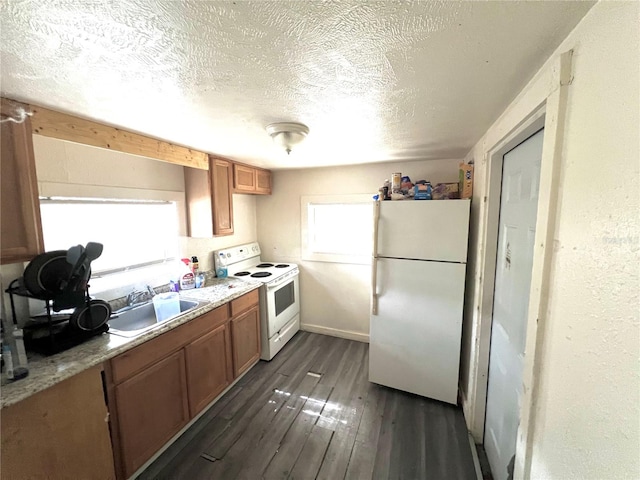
{"type": "Point", "coordinates": [132, 321]}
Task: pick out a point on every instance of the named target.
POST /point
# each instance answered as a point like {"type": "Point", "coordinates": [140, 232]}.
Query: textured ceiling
{"type": "Point", "coordinates": [374, 81]}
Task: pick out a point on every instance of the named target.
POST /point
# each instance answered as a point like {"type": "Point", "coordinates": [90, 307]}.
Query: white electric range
{"type": "Point", "coordinates": [279, 294]}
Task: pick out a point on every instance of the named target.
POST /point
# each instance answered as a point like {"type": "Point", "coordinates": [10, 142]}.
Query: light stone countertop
{"type": "Point", "coordinates": [48, 371]}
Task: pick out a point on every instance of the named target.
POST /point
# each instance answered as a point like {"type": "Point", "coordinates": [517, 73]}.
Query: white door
{"type": "Point", "coordinates": [518, 211]}
{"type": "Point", "coordinates": [424, 229]}
{"type": "Point", "coordinates": [414, 340]}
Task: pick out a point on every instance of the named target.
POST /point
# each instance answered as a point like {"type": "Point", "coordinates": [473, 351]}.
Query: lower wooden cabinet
{"type": "Point", "coordinates": [59, 432]}
{"type": "Point", "coordinates": [209, 367]}
{"type": "Point", "coordinates": [152, 406]}
{"type": "Point", "coordinates": [245, 332]}
{"type": "Point", "coordinates": [156, 388]}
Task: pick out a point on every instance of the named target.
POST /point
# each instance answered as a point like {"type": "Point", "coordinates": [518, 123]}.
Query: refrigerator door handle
{"type": "Point", "coordinates": [374, 260]}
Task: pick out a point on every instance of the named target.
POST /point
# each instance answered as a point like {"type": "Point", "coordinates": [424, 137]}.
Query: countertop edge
{"type": "Point", "coordinates": [49, 371]}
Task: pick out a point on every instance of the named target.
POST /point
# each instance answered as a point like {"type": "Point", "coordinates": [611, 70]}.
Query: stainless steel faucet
{"type": "Point", "coordinates": [137, 297]}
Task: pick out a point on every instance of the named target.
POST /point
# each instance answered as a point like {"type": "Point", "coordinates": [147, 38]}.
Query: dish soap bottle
{"type": "Point", "coordinates": [221, 270]}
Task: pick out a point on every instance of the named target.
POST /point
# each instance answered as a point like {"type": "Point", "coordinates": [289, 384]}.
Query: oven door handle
{"type": "Point", "coordinates": [280, 282]}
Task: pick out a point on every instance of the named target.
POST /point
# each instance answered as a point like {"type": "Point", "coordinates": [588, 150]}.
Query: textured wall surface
{"type": "Point", "coordinates": [588, 403]}
{"type": "Point", "coordinates": [590, 391]}
{"type": "Point", "coordinates": [374, 81]}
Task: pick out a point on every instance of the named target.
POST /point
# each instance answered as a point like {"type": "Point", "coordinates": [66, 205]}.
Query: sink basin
{"type": "Point", "coordinates": [132, 321]}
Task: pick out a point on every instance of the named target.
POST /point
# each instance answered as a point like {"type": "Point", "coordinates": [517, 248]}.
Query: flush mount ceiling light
{"type": "Point", "coordinates": [287, 134]}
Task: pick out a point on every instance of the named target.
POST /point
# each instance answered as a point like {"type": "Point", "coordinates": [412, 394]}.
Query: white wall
{"type": "Point", "coordinates": [587, 417]}
{"type": "Point", "coordinates": [72, 169]}
{"type": "Point", "coordinates": [335, 297]}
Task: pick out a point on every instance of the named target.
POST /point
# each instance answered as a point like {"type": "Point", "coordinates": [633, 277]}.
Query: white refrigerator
{"type": "Point", "coordinates": [418, 277]}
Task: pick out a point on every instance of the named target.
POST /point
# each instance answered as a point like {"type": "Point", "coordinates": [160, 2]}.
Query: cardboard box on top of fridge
{"type": "Point", "coordinates": [466, 180]}
{"type": "Point", "coordinates": [445, 191]}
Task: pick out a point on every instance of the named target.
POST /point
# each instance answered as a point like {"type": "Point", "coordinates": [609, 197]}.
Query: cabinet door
{"type": "Point", "coordinates": [245, 334]}
{"type": "Point", "coordinates": [263, 181]}
{"type": "Point", "coordinates": [244, 178]}
{"type": "Point", "coordinates": [20, 225]}
{"type": "Point", "coordinates": [222, 181]}
{"type": "Point", "coordinates": [59, 432]}
{"type": "Point", "coordinates": [152, 407]}
{"type": "Point", "coordinates": [209, 367]}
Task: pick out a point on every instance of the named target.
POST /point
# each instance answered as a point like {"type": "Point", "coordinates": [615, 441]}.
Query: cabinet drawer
{"type": "Point", "coordinates": [243, 303]}
{"type": "Point", "coordinates": [140, 357]}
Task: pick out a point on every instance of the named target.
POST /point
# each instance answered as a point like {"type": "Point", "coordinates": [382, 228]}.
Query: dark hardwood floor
{"type": "Point", "coordinates": [312, 413]}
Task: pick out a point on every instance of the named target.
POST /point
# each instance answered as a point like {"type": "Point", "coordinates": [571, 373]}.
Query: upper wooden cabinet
{"type": "Point", "coordinates": [244, 178]}
{"type": "Point", "coordinates": [20, 225]}
{"type": "Point", "coordinates": [209, 201]}
{"type": "Point", "coordinates": [263, 181]}
{"type": "Point", "coordinates": [222, 178]}
{"type": "Point", "coordinates": [247, 179]}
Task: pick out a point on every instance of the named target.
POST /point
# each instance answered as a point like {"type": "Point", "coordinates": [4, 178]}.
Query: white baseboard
{"type": "Point", "coordinates": [334, 332]}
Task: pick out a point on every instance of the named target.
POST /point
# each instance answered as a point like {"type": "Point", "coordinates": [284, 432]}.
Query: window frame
{"type": "Point", "coordinates": [346, 258]}
{"type": "Point", "coordinates": [119, 284]}
{"type": "Point", "coordinates": [115, 269]}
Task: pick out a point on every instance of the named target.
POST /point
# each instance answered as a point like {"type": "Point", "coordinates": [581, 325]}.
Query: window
{"type": "Point", "coordinates": [134, 233]}
{"type": "Point", "coordinates": [337, 228]}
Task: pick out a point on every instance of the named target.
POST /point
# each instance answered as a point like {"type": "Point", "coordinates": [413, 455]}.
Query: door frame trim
{"type": "Point", "coordinates": [550, 115]}
{"type": "Point", "coordinates": [491, 237]}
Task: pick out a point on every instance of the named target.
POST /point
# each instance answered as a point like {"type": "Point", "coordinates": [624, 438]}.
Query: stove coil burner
{"type": "Point", "coordinates": [264, 265]}
{"type": "Point", "coordinates": [261, 274]}
{"type": "Point", "coordinates": [240, 274]}
{"type": "Point", "coordinates": [282, 265]}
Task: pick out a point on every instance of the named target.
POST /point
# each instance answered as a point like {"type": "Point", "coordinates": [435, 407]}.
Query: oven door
{"type": "Point", "coordinates": [282, 303]}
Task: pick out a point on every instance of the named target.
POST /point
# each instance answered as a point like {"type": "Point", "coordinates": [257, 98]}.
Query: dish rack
{"type": "Point", "coordinates": [60, 278]}
{"type": "Point", "coordinates": [53, 335]}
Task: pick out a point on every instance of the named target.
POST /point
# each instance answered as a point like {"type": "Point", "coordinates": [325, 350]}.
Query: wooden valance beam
{"type": "Point", "coordinates": [74, 129]}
